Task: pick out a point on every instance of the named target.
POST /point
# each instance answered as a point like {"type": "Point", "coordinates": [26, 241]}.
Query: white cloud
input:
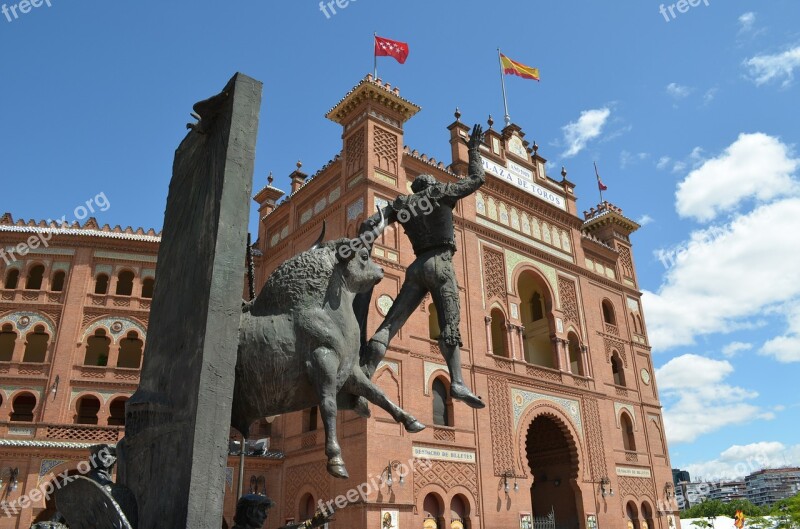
{"type": "Point", "coordinates": [746, 22]}
{"type": "Point", "coordinates": [663, 162]}
{"type": "Point", "coordinates": [701, 400]}
{"type": "Point", "coordinates": [754, 166]}
{"type": "Point", "coordinates": [722, 276]}
{"type": "Point", "coordinates": [645, 219]}
{"type": "Point", "coordinates": [740, 460]}
{"type": "Point", "coordinates": [786, 348]}
{"type": "Point", "coordinates": [780, 66]}
{"type": "Point", "coordinates": [627, 158]}
{"type": "Point", "coordinates": [588, 127]}
{"type": "Point", "coordinates": [709, 96]}
{"type": "Point", "coordinates": [678, 91]}
{"type": "Point", "coordinates": [734, 348]}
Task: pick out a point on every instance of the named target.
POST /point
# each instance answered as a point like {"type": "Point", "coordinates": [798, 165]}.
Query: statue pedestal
{"type": "Point", "coordinates": [174, 454]}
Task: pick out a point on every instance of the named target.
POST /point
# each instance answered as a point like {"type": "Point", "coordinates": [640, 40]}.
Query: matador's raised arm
{"type": "Point", "coordinates": [476, 176]}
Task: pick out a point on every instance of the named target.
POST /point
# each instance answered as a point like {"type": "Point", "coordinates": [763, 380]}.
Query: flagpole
{"type": "Point", "coordinates": [597, 173]}
{"type": "Point", "coordinates": [374, 56]}
{"type": "Point", "coordinates": [503, 84]}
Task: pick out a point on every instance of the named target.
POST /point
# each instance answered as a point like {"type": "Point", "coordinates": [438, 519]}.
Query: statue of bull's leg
{"type": "Point", "coordinates": [324, 369]}
{"type": "Point", "coordinates": [360, 385]}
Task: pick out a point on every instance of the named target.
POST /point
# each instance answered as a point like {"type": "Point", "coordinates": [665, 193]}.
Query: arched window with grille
{"type": "Point", "coordinates": [101, 284]}
{"type": "Point", "coordinates": [8, 339]}
{"type": "Point", "coordinates": [36, 345]}
{"type": "Point", "coordinates": [22, 407]}
{"type": "Point", "coordinates": [628, 438]}
{"type": "Point", "coordinates": [125, 283]}
{"type": "Point", "coordinates": [433, 323]}
{"type": "Point", "coordinates": [575, 355]}
{"type": "Point", "coordinates": [608, 312]}
{"type": "Point", "coordinates": [35, 278]}
{"type": "Point", "coordinates": [147, 287]}
{"type": "Point", "coordinates": [442, 406]}
{"type": "Point", "coordinates": [87, 410]}
{"type": "Point", "coordinates": [12, 279]}
{"type": "Point", "coordinates": [97, 348]}
{"type": "Point", "coordinates": [57, 283]}
{"type": "Point", "coordinates": [130, 351]}
{"type": "Point", "coordinates": [116, 412]}
{"type": "Point", "coordinates": [499, 333]}
{"type": "Point", "coordinates": [617, 369]}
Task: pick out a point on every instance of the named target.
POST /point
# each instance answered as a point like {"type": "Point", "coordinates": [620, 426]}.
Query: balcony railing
{"type": "Point", "coordinates": [112, 300]}
{"type": "Point", "coordinates": [26, 369]}
{"type": "Point", "coordinates": [61, 432]}
{"type": "Point", "coordinates": [31, 296]}
{"type": "Point", "coordinates": [107, 373]}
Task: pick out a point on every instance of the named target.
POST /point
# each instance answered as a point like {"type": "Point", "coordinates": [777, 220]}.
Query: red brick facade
{"type": "Point", "coordinates": [554, 342]}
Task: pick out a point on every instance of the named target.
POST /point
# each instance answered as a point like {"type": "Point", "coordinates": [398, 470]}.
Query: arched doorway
{"type": "Point", "coordinates": [433, 508]}
{"type": "Point", "coordinates": [307, 507]}
{"type": "Point", "coordinates": [553, 462]}
{"type": "Point", "coordinates": [647, 516]}
{"type": "Point", "coordinates": [459, 513]}
{"type": "Point", "coordinates": [632, 515]}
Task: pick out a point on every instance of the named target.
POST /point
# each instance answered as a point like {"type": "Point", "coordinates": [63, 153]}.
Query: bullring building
{"type": "Point", "coordinates": [551, 319]}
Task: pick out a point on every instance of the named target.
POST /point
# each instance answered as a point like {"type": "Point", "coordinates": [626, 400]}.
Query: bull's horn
{"type": "Point", "coordinates": [319, 239]}
{"type": "Point", "coordinates": [377, 230]}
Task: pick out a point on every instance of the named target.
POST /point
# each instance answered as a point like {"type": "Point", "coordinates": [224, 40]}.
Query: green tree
{"type": "Point", "coordinates": [758, 522]}
{"type": "Point", "coordinates": [746, 506]}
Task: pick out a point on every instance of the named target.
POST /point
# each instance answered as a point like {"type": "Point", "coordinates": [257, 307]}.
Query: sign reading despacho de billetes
{"type": "Point", "coordinates": [633, 472]}
{"type": "Point", "coordinates": [522, 178]}
{"type": "Point", "coordinates": [441, 454]}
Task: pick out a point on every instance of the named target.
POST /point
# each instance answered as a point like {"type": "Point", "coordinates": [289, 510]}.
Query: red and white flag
{"type": "Point", "coordinates": [600, 185]}
{"type": "Point", "coordinates": [391, 48]}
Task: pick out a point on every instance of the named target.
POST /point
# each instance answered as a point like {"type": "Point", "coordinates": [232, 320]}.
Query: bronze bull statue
{"type": "Point", "coordinates": [299, 343]}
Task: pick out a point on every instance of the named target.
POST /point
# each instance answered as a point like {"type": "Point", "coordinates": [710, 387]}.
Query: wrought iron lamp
{"type": "Point", "coordinates": [13, 473]}
{"type": "Point", "coordinates": [393, 466]}
{"type": "Point", "coordinates": [605, 487]}
{"type": "Point", "coordinates": [669, 490]}
{"type": "Point", "coordinates": [506, 485]}
{"type": "Point", "coordinates": [258, 485]}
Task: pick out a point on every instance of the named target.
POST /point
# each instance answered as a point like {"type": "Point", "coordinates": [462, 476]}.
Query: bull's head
{"type": "Point", "coordinates": [360, 273]}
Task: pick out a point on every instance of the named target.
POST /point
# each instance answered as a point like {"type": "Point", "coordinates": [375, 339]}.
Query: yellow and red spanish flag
{"type": "Point", "coordinates": [739, 520]}
{"type": "Point", "coordinates": [512, 67]}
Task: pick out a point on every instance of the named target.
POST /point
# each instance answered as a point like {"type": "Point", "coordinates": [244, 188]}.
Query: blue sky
{"type": "Point", "coordinates": [692, 121]}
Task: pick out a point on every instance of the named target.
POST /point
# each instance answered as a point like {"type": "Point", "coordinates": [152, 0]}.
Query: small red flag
{"type": "Point", "coordinates": [600, 184]}
{"type": "Point", "coordinates": [391, 48]}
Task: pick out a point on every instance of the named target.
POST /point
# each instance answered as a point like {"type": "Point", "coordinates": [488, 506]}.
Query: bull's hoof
{"type": "Point", "coordinates": [362, 408]}
{"type": "Point", "coordinates": [337, 469]}
{"type": "Point", "coordinates": [414, 426]}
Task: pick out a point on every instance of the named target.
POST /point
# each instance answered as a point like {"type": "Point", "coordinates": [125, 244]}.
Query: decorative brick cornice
{"type": "Point", "coordinates": [376, 91]}
{"type": "Point", "coordinates": [90, 228]}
